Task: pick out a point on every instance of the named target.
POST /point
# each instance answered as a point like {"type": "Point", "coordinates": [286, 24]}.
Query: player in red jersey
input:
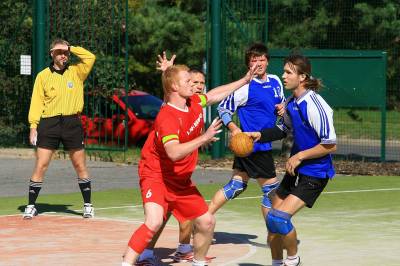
{"type": "Point", "coordinates": [168, 160]}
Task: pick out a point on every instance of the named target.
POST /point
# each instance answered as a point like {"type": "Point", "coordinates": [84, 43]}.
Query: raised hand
{"type": "Point", "coordinates": [251, 73]}
{"type": "Point", "coordinates": [213, 130]}
{"type": "Point", "coordinates": [163, 63]}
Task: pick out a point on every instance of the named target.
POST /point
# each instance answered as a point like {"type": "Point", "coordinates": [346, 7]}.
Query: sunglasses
{"type": "Point", "coordinates": [60, 52]}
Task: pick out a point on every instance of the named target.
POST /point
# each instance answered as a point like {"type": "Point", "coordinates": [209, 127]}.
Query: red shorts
{"type": "Point", "coordinates": [186, 204]}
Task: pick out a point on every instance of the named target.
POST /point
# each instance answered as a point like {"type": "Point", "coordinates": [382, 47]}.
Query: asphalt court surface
{"type": "Point", "coordinates": [61, 177]}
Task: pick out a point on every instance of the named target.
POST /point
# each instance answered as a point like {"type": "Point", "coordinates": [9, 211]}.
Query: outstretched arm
{"type": "Point", "coordinates": [219, 93]}
{"type": "Point", "coordinates": [267, 134]}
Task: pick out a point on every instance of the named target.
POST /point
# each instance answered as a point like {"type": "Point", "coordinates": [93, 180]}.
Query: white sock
{"type": "Point", "coordinates": [292, 260]}
{"type": "Point", "coordinates": [184, 248]}
{"type": "Point", "coordinates": [277, 262]}
{"type": "Point", "coordinates": [147, 253]}
{"type": "Point", "coordinates": [199, 263]}
{"type": "Point", "coordinates": [124, 263]}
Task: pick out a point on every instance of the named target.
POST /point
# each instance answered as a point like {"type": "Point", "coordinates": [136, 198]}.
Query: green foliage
{"type": "Point", "coordinates": [365, 124]}
{"type": "Point", "coordinates": [341, 24]}
{"type": "Point", "coordinates": [179, 26]}
{"type": "Point", "coordinates": [150, 33]}
{"type": "Point", "coordinates": [10, 135]}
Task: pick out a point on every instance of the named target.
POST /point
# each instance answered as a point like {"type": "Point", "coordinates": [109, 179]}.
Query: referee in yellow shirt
{"type": "Point", "coordinates": [57, 101]}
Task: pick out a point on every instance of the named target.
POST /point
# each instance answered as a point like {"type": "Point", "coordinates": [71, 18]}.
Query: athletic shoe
{"type": "Point", "coordinates": [152, 261]}
{"type": "Point", "coordinates": [29, 212]}
{"type": "Point", "coordinates": [288, 262]}
{"type": "Point", "coordinates": [183, 257]}
{"type": "Point", "coordinates": [88, 210]}
{"type": "Point", "coordinates": [187, 257]}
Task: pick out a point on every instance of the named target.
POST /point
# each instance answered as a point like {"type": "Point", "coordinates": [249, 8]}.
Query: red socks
{"type": "Point", "coordinates": [141, 238]}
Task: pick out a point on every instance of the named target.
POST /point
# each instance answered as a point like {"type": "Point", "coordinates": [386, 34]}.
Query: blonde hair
{"type": "Point", "coordinates": [169, 77]}
{"type": "Point", "coordinates": [58, 41]}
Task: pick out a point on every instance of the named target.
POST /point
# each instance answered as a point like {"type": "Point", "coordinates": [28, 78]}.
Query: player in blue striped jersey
{"type": "Point", "coordinates": [256, 105]}
{"type": "Point", "coordinates": [310, 166]}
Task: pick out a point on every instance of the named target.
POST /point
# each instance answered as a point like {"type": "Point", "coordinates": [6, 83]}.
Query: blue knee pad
{"type": "Point", "coordinates": [267, 189]}
{"type": "Point", "coordinates": [234, 188]}
{"type": "Point", "coordinates": [278, 222]}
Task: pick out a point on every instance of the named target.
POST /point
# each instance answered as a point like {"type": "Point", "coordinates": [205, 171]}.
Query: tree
{"type": "Point", "coordinates": [150, 33]}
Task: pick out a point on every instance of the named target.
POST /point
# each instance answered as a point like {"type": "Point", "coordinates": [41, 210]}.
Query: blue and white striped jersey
{"type": "Point", "coordinates": [311, 120]}
{"type": "Point", "coordinates": [255, 106]}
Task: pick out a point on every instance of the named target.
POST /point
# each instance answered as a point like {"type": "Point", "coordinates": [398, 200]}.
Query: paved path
{"type": "Point", "coordinates": [61, 177]}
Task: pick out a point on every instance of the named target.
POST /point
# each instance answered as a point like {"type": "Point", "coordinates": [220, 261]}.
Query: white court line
{"type": "Point", "coordinates": [115, 207]}
{"type": "Point", "coordinates": [251, 252]}
{"type": "Point", "coordinates": [337, 192]}
{"type": "Point", "coordinates": [256, 197]}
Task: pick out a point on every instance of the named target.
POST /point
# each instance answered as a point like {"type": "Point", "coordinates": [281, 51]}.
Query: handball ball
{"type": "Point", "coordinates": [241, 145]}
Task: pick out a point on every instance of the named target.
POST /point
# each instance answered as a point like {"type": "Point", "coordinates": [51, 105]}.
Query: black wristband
{"type": "Point", "coordinates": [271, 134]}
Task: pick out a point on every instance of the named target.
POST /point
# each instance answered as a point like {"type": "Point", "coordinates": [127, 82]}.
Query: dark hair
{"type": "Point", "coordinates": [255, 49]}
{"type": "Point", "coordinates": [195, 71]}
{"type": "Point", "coordinates": [302, 65]}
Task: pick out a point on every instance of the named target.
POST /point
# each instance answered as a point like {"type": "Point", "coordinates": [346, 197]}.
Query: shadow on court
{"type": "Point", "coordinates": [59, 208]}
{"type": "Point", "coordinates": [236, 238]}
{"type": "Point", "coordinates": [252, 264]}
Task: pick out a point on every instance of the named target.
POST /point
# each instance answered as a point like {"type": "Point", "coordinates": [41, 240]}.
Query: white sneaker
{"type": "Point", "coordinates": [295, 262]}
{"type": "Point", "coordinates": [29, 212]}
{"type": "Point", "coordinates": [88, 210]}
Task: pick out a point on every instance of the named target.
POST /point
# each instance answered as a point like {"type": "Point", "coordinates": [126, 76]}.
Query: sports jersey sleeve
{"type": "Point", "coordinates": [167, 129]}
{"type": "Point", "coordinates": [37, 102]}
{"type": "Point", "coordinates": [285, 123]}
{"type": "Point", "coordinates": [320, 116]}
{"type": "Point", "coordinates": [84, 67]}
{"type": "Point", "coordinates": [229, 105]}
{"type": "Point", "coordinates": [279, 88]}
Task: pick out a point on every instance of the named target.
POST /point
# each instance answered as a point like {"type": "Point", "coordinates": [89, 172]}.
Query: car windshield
{"type": "Point", "coordinates": [144, 106]}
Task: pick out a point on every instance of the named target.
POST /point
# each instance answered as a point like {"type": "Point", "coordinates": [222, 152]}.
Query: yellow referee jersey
{"type": "Point", "coordinates": [60, 92]}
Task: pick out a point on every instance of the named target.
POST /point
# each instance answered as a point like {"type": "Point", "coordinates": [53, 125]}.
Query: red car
{"type": "Point", "coordinates": [104, 120]}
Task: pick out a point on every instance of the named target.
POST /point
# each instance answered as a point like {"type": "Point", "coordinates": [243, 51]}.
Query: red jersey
{"type": "Point", "coordinates": [173, 124]}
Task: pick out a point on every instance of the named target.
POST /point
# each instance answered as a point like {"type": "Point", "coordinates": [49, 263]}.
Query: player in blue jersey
{"type": "Point", "coordinates": [256, 106]}
{"type": "Point", "coordinates": [309, 168]}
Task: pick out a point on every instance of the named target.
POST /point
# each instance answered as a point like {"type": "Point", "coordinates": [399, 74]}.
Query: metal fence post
{"type": "Point", "coordinates": [39, 37]}
{"type": "Point", "coordinates": [383, 109]}
{"type": "Point", "coordinates": [216, 31]}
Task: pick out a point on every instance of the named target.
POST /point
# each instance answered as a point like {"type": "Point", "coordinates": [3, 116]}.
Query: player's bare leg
{"type": "Point", "coordinates": [78, 159]}
{"type": "Point", "coordinates": [43, 157]}
{"type": "Point", "coordinates": [290, 205]}
{"type": "Point", "coordinates": [263, 182]}
{"type": "Point", "coordinates": [185, 231]}
{"type": "Point", "coordinates": [153, 221]}
{"type": "Point", "coordinates": [220, 199]}
{"type": "Point", "coordinates": [269, 185]}
{"type": "Point", "coordinates": [275, 240]}
{"type": "Point", "coordinates": [203, 232]}
{"type": "Point", "coordinates": [148, 254]}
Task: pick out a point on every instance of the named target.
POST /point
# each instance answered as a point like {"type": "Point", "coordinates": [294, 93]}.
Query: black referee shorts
{"type": "Point", "coordinates": [65, 129]}
{"type": "Point", "coordinates": [304, 187]}
{"type": "Point", "coordinates": [257, 165]}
